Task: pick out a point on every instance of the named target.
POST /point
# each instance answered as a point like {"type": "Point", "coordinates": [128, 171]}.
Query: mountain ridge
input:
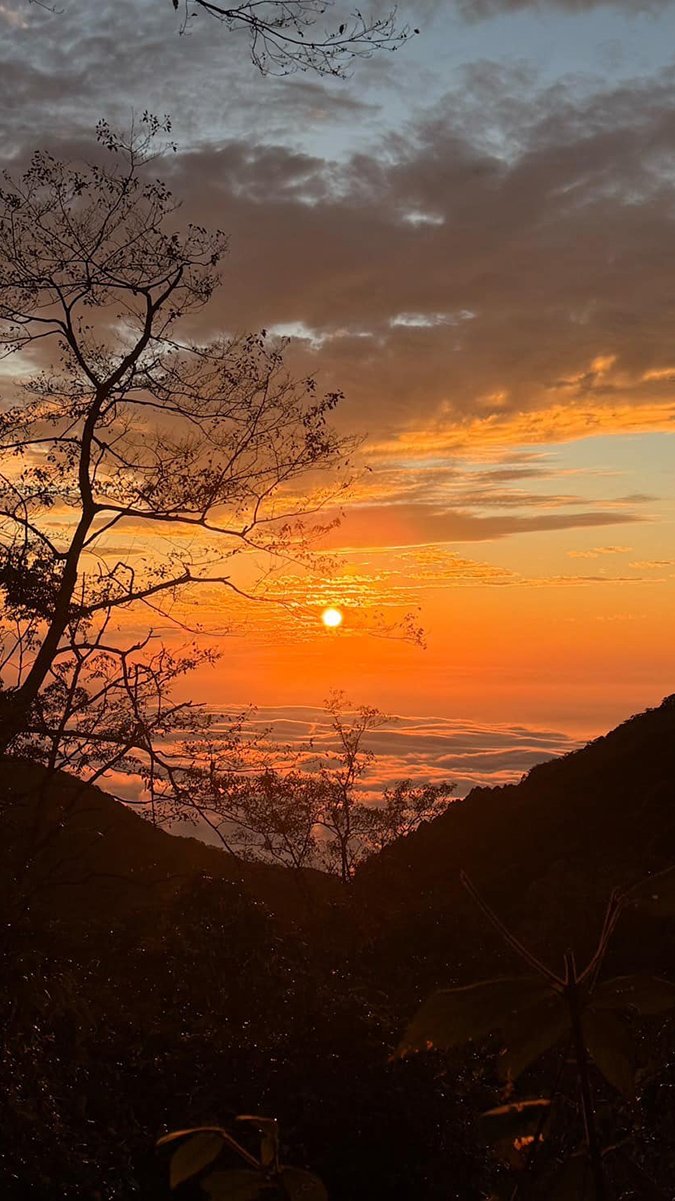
{"type": "Point", "coordinates": [546, 852]}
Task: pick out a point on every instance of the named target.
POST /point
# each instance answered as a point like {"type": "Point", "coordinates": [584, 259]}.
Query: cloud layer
{"type": "Point", "coordinates": [423, 749]}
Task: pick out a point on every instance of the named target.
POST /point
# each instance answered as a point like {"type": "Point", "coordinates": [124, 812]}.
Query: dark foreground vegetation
{"type": "Point", "coordinates": [151, 983]}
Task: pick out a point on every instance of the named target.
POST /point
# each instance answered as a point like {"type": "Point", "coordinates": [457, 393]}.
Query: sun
{"type": "Point", "coordinates": [332, 618]}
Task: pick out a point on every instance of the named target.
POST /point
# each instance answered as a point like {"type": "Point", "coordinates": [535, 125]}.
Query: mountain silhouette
{"type": "Point", "coordinates": [80, 855]}
{"type": "Point", "coordinates": [152, 982]}
{"type": "Point", "coordinates": [545, 853]}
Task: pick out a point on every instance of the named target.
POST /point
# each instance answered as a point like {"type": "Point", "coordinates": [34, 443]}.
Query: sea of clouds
{"type": "Point", "coordinates": [422, 749]}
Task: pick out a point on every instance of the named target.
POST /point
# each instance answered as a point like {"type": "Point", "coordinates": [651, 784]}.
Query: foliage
{"type": "Point", "coordinates": [312, 814]}
{"type": "Point", "coordinates": [535, 1014]}
{"type": "Point", "coordinates": [153, 999]}
{"type": "Point", "coordinates": [201, 1004]}
{"type": "Point", "coordinates": [265, 1177]}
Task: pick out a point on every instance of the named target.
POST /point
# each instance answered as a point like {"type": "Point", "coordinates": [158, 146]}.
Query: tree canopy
{"type": "Point", "coordinates": [138, 462]}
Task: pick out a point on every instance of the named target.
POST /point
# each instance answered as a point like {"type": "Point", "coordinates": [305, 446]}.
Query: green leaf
{"type": "Point", "coordinates": [453, 1016]}
{"type": "Point", "coordinates": [646, 994]}
{"type": "Point", "coordinates": [240, 1184]}
{"type": "Point", "coordinates": [192, 1156]}
{"type": "Point", "coordinates": [573, 1182]}
{"type": "Point", "coordinates": [530, 1033]}
{"type": "Point", "coordinates": [302, 1186]}
{"type": "Point", "coordinates": [654, 895]}
{"type": "Point", "coordinates": [608, 1041]}
{"type": "Point", "coordinates": [517, 1120]}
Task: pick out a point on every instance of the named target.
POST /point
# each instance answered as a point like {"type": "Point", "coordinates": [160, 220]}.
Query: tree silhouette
{"type": "Point", "coordinates": [311, 814]}
{"type": "Point", "coordinates": [191, 452]}
{"type": "Point", "coordinates": [286, 36]}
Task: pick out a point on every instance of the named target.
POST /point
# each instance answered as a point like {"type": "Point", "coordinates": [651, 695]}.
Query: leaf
{"type": "Point", "coordinates": [269, 1143]}
{"type": "Point", "coordinates": [646, 994]}
{"type": "Point", "coordinates": [513, 1121]}
{"type": "Point", "coordinates": [269, 1151]}
{"type": "Point", "coordinates": [573, 1182]}
{"type": "Point", "coordinates": [454, 1016]}
{"type": "Point", "coordinates": [302, 1186]}
{"type": "Point", "coordinates": [241, 1184]}
{"type": "Point", "coordinates": [174, 1135]}
{"type": "Point", "coordinates": [654, 895]}
{"type": "Point", "coordinates": [192, 1156]}
{"type": "Point", "coordinates": [530, 1033]}
{"type": "Point", "coordinates": [608, 1041]}
{"type": "Point", "coordinates": [265, 1125]}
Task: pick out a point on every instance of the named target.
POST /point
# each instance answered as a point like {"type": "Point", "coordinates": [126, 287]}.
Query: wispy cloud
{"type": "Point", "coordinates": [597, 552]}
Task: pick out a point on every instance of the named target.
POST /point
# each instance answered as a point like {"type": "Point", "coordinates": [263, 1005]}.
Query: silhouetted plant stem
{"type": "Point", "coordinates": [509, 938]}
{"type": "Point", "coordinates": [585, 1093]}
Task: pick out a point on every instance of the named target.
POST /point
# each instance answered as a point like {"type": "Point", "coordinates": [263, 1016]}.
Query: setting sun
{"type": "Point", "coordinates": [332, 618]}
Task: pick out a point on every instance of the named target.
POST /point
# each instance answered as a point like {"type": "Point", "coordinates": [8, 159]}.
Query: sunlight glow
{"type": "Point", "coordinates": [332, 618]}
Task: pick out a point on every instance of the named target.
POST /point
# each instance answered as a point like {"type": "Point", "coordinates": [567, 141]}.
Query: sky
{"type": "Point", "coordinates": [474, 239]}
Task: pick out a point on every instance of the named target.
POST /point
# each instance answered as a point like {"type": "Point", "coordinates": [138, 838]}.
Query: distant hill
{"type": "Point", "coordinates": [546, 852]}
{"type": "Point", "coordinates": [79, 854]}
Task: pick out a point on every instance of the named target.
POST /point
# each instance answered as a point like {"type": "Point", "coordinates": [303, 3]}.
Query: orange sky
{"type": "Point", "coordinates": [476, 244]}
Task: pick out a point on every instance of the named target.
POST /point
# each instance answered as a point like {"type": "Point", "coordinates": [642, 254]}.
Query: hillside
{"type": "Point", "coordinates": [150, 982]}
{"type": "Point", "coordinates": [546, 852]}
{"type": "Point", "coordinates": [81, 855]}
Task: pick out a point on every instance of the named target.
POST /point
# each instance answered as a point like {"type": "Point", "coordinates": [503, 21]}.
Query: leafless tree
{"type": "Point", "coordinates": [136, 464]}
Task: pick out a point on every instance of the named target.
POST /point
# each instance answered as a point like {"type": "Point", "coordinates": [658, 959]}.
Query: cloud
{"type": "Point", "coordinates": [481, 10]}
{"type": "Point", "coordinates": [425, 749]}
{"type": "Point", "coordinates": [406, 525]}
{"type": "Point", "coordinates": [561, 247]}
{"type": "Point", "coordinates": [596, 552]}
{"type": "Point", "coordinates": [61, 70]}
{"type": "Point", "coordinates": [550, 227]}
{"type": "Point", "coordinates": [651, 564]}
{"type": "Point", "coordinates": [13, 16]}
{"type": "Point", "coordinates": [495, 273]}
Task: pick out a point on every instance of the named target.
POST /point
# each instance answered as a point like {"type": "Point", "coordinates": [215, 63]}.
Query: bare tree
{"type": "Point", "coordinates": [354, 827]}
{"type": "Point", "coordinates": [137, 465]}
{"type": "Point", "coordinates": [286, 36]}
{"type": "Point", "coordinates": [314, 814]}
